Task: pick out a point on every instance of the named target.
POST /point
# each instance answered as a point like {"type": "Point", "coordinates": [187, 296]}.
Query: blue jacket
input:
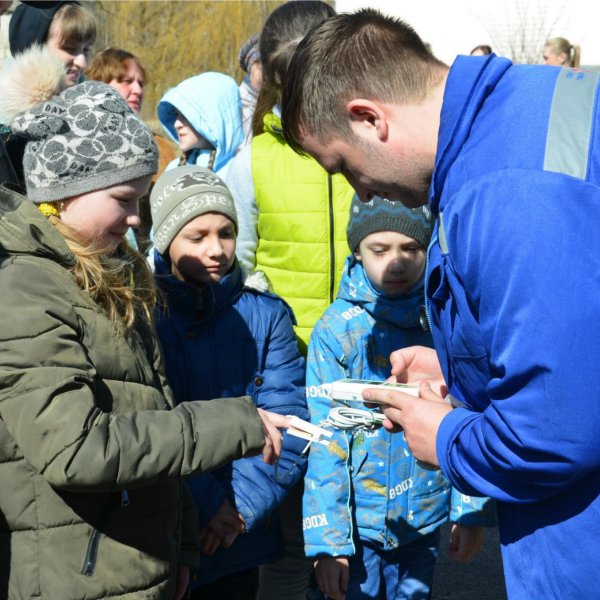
{"type": "Point", "coordinates": [212, 104]}
{"type": "Point", "coordinates": [514, 299]}
{"type": "Point", "coordinates": [369, 478]}
{"type": "Point", "coordinates": [228, 340]}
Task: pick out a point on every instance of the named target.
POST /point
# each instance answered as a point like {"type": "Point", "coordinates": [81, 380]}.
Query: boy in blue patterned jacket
{"type": "Point", "coordinates": [372, 515]}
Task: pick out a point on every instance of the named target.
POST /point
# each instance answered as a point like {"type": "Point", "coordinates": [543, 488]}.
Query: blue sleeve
{"type": "Point", "coordinates": [259, 488]}
{"type": "Point", "coordinates": [327, 514]}
{"type": "Point", "coordinates": [472, 511]}
{"type": "Point", "coordinates": [524, 245]}
{"type": "Point", "coordinates": [208, 494]}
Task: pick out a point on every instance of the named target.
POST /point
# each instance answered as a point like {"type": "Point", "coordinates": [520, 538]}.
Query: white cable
{"type": "Point", "coordinates": [344, 417]}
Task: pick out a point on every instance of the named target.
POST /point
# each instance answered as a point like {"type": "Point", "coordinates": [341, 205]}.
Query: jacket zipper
{"type": "Point", "coordinates": [427, 307]}
{"type": "Point", "coordinates": [91, 555]}
{"type": "Point", "coordinates": [331, 240]}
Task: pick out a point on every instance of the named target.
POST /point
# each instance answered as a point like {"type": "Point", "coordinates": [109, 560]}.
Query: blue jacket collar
{"type": "Point", "coordinates": [470, 81]}
{"type": "Point", "coordinates": [201, 303]}
{"type": "Point", "coordinates": [355, 287]}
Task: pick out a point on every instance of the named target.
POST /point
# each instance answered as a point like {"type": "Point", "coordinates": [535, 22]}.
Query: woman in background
{"type": "Point", "coordinates": [560, 52]}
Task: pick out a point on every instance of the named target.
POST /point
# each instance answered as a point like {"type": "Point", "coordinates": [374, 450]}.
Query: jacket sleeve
{"type": "Point", "coordinates": [471, 510]}
{"type": "Point", "coordinates": [257, 488]}
{"type": "Point", "coordinates": [208, 493]}
{"type": "Point", "coordinates": [241, 185]}
{"type": "Point", "coordinates": [528, 261]}
{"type": "Point", "coordinates": [327, 516]}
{"type": "Point", "coordinates": [49, 408]}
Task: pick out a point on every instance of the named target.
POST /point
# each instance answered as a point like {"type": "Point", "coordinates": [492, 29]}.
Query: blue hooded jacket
{"type": "Point", "coordinates": [229, 340]}
{"type": "Point", "coordinates": [514, 298]}
{"type": "Point", "coordinates": [369, 478]}
{"type": "Point", "coordinates": [211, 103]}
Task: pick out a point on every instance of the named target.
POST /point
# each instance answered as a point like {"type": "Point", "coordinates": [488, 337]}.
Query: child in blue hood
{"type": "Point", "coordinates": [224, 334]}
{"type": "Point", "coordinates": [203, 114]}
{"type": "Point", "coordinates": [372, 515]}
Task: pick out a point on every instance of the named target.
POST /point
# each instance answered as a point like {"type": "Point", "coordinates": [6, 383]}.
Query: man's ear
{"type": "Point", "coordinates": [357, 254]}
{"type": "Point", "coordinates": [367, 115]}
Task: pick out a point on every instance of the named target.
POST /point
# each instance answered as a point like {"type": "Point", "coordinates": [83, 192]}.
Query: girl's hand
{"type": "Point", "coordinates": [272, 423]}
{"type": "Point", "coordinates": [183, 582]}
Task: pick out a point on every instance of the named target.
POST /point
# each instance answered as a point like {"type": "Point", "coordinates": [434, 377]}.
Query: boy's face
{"type": "Point", "coordinates": [392, 261]}
{"type": "Point", "coordinates": [204, 250]}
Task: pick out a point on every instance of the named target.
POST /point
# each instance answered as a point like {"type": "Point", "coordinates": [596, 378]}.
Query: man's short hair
{"type": "Point", "coordinates": [353, 55]}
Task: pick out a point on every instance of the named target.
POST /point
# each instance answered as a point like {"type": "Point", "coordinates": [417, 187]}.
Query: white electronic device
{"type": "Point", "coordinates": [308, 431]}
{"type": "Point", "coordinates": [350, 390]}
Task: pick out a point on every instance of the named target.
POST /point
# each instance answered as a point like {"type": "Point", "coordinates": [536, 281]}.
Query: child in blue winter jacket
{"type": "Point", "coordinates": [203, 114]}
{"type": "Point", "coordinates": [224, 334]}
{"type": "Point", "coordinates": [372, 514]}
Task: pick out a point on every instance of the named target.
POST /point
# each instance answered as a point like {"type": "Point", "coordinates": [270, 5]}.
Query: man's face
{"type": "Point", "coordinates": [374, 167]}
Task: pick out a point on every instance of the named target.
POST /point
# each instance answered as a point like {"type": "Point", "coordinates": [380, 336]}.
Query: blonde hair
{"type": "Point", "coordinates": [120, 283]}
{"type": "Point", "coordinates": [560, 45]}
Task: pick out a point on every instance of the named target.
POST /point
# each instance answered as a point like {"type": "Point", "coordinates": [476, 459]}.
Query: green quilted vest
{"type": "Point", "coordinates": [302, 218]}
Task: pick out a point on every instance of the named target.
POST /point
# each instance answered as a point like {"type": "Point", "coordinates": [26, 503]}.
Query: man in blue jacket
{"type": "Point", "coordinates": [507, 157]}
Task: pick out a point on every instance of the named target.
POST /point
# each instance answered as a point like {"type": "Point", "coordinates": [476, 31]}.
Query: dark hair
{"type": "Point", "coordinates": [483, 48]}
{"type": "Point", "coordinates": [353, 55]}
{"type": "Point", "coordinates": [283, 30]}
{"type": "Point", "coordinates": [112, 63]}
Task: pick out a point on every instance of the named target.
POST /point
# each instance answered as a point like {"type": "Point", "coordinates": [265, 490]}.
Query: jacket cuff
{"type": "Point", "coordinates": [450, 428]}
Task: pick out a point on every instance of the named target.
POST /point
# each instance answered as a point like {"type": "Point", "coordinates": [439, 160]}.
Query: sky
{"type": "Point", "coordinates": [456, 26]}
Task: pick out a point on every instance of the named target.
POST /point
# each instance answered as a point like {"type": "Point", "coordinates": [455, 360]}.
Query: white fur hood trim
{"type": "Point", "coordinates": [33, 77]}
{"type": "Point", "coordinates": [257, 280]}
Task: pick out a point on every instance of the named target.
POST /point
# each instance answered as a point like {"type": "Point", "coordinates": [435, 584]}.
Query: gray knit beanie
{"type": "Point", "coordinates": [381, 214]}
{"type": "Point", "coordinates": [80, 139]}
{"type": "Point", "coordinates": [183, 194]}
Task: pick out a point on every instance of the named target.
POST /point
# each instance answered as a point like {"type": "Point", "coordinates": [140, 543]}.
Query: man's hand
{"type": "Point", "coordinates": [416, 364]}
{"type": "Point", "coordinates": [465, 542]}
{"type": "Point", "coordinates": [332, 575]}
{"type": "Point", "coordinates": [225, 525]}
{"type": "Point", "coordinates": [420, 418]}
{"type": "Point", "coordinates": [272, 423]}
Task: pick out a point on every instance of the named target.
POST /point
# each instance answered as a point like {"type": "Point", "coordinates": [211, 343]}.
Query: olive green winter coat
{"type": "Point", "coordinates": [91, 448]}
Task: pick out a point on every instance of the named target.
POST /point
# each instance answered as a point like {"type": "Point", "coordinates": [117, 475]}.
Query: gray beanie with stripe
{"type": "Point", "coordinates": [380, 214]}
{"type": "Point", "coordinates": [181, 195]}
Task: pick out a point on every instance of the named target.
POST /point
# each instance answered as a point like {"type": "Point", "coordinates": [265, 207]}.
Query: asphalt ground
{"type": "Point", "coordinates": [481, 579]}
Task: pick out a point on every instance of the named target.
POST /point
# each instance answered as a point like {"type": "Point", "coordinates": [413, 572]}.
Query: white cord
{"type": "Point", "coordinates": [344, 417]}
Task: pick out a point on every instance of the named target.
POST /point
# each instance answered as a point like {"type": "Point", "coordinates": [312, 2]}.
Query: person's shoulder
{"type": "Point", "coordinates": [257, 289]}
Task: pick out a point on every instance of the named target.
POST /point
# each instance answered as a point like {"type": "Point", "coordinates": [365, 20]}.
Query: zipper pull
{"type": "Point", "coordinates": [124, 498]}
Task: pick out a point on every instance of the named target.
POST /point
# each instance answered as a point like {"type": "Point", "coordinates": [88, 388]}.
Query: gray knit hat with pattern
{"type": "Point", "coordinates": [183, 194]}
{"type": "Point", "coordinates": [380, 214]}
{"type": "Point", "coordinates": [82, 140]}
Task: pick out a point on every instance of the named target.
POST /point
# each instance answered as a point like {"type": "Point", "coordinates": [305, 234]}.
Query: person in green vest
{"type": "Point", "coordinates": [292, 218]}
{"type": "Point", "coordinates": [292, 213]}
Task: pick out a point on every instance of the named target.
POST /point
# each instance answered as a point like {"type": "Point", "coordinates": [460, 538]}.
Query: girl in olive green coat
{"type": "Point", "coordinates": [92, 450]}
